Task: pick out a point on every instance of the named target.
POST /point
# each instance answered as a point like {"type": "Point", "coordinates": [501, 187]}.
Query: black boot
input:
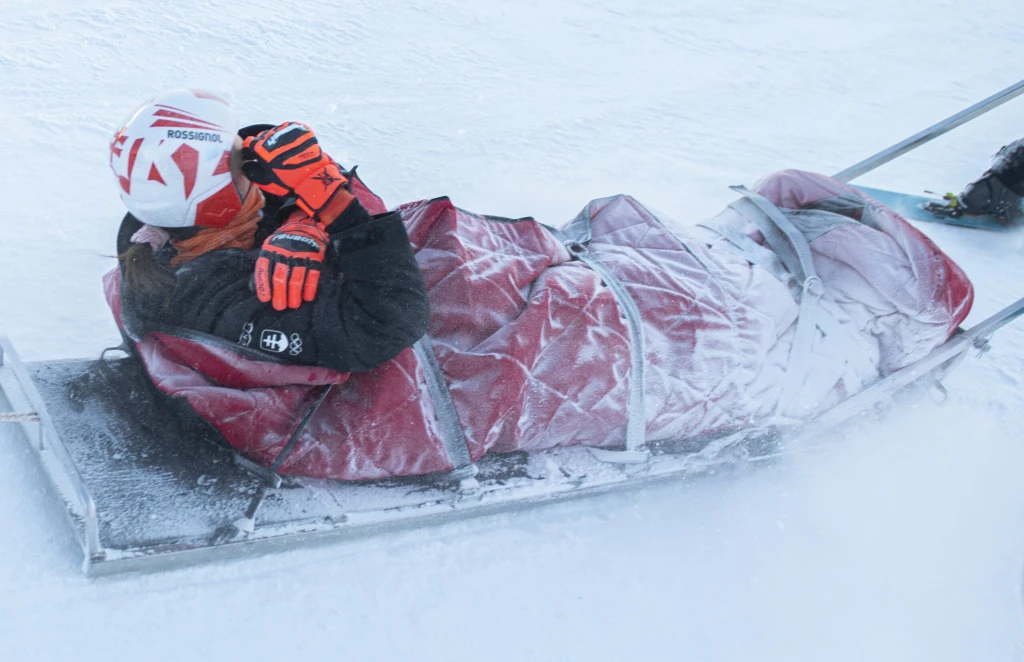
{"type": "Point", "coordinates": [999, 192]}
{"type": "Point", "coordinates": [989, 195]}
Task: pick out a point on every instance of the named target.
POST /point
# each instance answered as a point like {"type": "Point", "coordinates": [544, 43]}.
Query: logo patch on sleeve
{"type": "Point", "coordinates": [246, 337]}
{"type": "Point", "coordinates": [273, 341]}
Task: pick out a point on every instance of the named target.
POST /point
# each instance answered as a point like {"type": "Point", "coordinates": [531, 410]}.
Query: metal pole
{"type": "Point", "coordinates": [929, 134]}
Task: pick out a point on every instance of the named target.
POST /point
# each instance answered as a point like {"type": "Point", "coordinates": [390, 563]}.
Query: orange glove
{"type": "Point", "coordinates": [287, 160]}
{"type": "Point", "coordinates": [288, 268]}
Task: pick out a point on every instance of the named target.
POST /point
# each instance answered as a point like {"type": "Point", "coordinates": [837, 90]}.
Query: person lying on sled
{"type": "Point", "coordinates": [293, 267]}
{"type": "Point", "coordinates": [999, 192]}
{"type": "Point", "coordinates": [617, 330]}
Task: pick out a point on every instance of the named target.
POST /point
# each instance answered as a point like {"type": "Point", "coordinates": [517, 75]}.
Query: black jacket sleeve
{"type": "Point", "coordinates": [371, 302]}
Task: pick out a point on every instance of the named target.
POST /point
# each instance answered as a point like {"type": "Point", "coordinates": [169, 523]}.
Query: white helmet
{"type": "Point", "coordinates": [172, 159]}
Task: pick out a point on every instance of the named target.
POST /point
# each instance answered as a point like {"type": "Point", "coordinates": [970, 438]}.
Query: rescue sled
{"type": "Point", "coordinates": [146, 486]}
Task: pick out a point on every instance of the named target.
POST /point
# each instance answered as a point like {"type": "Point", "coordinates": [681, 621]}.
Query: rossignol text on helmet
{"type": "Point", "coordinates": [172, 160]}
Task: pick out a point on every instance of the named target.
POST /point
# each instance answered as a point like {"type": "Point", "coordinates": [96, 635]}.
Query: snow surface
{"type": "Point", "coordinates": [902, 541]}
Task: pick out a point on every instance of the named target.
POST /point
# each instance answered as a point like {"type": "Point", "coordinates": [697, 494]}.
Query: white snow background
{"type": "Point", "coordinates": [903, 541]}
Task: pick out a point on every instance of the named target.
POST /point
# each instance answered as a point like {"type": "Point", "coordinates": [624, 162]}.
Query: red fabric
{"type": "Point", "coordinates": [371, 201]}
{"type": "Point", "coordinates": [536, 352]}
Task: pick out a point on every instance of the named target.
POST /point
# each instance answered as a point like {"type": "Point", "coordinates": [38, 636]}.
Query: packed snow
{"type": "Point", "coordinates": [902, 540]}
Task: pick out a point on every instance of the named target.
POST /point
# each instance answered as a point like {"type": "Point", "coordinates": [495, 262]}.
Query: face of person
{"type": "Point", "coordinates": [240, 180]}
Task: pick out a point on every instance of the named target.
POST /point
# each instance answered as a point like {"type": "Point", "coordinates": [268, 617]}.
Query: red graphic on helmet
{"type": "Point", "coordinates": [132, 154]}
{"type": "Point", "coordinates": [125, 181]}
{"type": "Point", "coordinates": [116, 143]}
{"type": "Point", "coordinates": [187, 160]}
{"type": "Point", "coordinates": [181, 119]}
{"type": "Point", "coordinates": [224, 165]}
{"type": "Point", "coordinates": [182, 115]}
{"type": "Point", "coordinates": [218, 210]}
{"type": "Point", "coordinates": [154, 175]}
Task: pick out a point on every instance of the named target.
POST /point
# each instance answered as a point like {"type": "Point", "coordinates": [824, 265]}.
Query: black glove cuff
{"type": "Point", "coordinates": [355, 214]}
{"type": "Point", "coordinates": [253, 130]}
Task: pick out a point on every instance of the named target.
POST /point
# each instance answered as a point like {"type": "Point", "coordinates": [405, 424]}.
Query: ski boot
{"type": "Point", "coordinates": [986, 196]}
{"type": "Point", "coordinates": [998, 193]}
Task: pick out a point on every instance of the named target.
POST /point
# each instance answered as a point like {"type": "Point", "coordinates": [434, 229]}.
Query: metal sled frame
{"type": "Point", "coordinates": [305, 512]}
{"type": "Point", "coordinates": [19, 393]}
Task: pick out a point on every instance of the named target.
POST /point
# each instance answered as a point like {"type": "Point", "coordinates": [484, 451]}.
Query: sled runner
{"type": "Point", "coordinates": [145, 488]}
